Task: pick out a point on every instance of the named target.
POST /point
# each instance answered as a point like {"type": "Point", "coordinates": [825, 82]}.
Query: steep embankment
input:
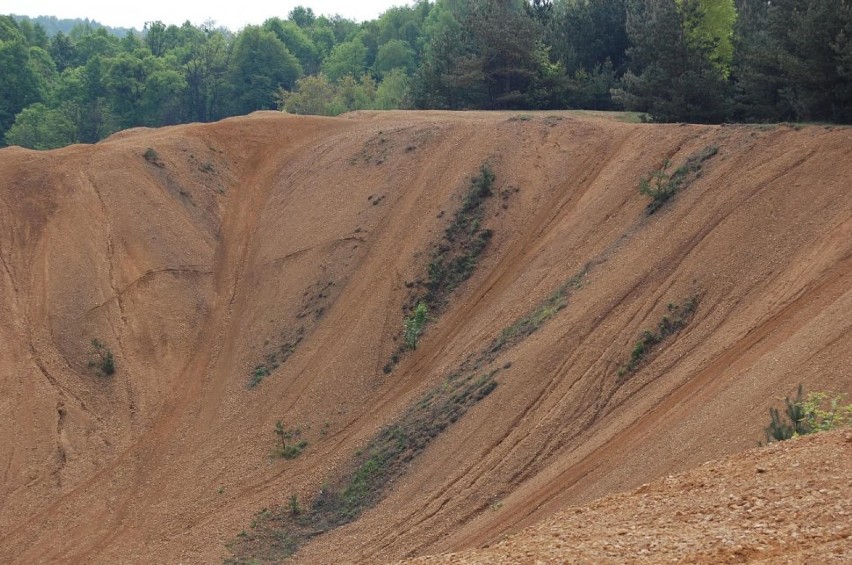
{"type": "Point", "coordinates": [283, 250]}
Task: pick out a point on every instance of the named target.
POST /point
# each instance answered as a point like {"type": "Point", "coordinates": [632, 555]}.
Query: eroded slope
{"type": "Point", "coordinates": [294, 244]}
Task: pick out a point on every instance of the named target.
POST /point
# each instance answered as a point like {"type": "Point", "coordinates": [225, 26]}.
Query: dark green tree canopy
{"type": "Point", "coordinates": [260, 64]}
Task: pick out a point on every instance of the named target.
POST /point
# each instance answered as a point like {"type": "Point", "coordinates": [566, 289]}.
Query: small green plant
{"type": "Point", "coordinates": [101, 357]}
{"type": "Point", "coordinates": [294, 449]}
{"type": "Point", "coordinates": [288, 450]}
{"type": "Point", "coordinates": [661, 185]}
{"type": "Point", "coordinates": [260, 372]}
{"type": "Point", "coordinates": [818, 412]}
{"type": "Point", "coordinates": [280, 432]}
{"type": "Point", "coordinates": [414, 325]}
{"type": "Point", "coordinates": [295, 509]}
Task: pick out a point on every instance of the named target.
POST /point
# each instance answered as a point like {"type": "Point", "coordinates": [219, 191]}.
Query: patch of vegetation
{"type": "Point", "coordinates": [453, 260]}
{"type": "Point", "coordinates": [153, 157]}
{"type": "Point", "coordinates": [632, 117]}
{"type": "Point", "coordinates": [677, 318]}
{"type": "Point", "coordinates": [530, 323]}
{"type": "Point", "coordinates": [661, 185]}
{"type": "Point", "coordinates": [276, 534]}
{"type": "Point", "coordinates": [258, 374]}
{"type": "Point", "coordinates": [291, 443]}
{"type": "Point", "coordinates": [275, 359]}
{"type": "Point", "coordinates": [819, 412]}
{"type": "Point", "coordinates": [414, 325]}
{"type": "Point", "coordinates": [464, 240]}
{"type": "Point", "coordinates": [101, 358]}
{"type": "Point", "coordinates": [315, 302]}
{"type": "Point", "coordinates": [268, 546]}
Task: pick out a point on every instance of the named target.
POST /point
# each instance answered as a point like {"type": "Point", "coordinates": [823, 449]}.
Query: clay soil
{"type": "Point", "coordinates": [197, 254]}
{"type": "Point", "coordinates": [786, 503]}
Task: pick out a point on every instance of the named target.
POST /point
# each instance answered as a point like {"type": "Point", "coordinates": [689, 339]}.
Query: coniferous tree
{"type": "Point", "coordinates": [794, 60]}
{"type": "Point", "coordinates": [674, 71]}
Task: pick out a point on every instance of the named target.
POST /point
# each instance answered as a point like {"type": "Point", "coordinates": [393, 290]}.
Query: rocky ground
{"type": "Point", "coordinates": [785, 503]}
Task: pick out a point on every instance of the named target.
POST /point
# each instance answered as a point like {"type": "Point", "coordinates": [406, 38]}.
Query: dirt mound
{"type": "Point", "coordinates": [786, 503]}
{"type": "Point", "coordinates": [261, 269]}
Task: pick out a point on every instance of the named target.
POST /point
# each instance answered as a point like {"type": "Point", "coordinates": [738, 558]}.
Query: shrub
{"type": "Point", "coordinates": [818, 412]}
{"type": "Point", "coordinates": [678, 316]}
{"type": "Point", "coordinates": [102, 358]}
{"type": "Point", "coordinates": [662, 186]}
{"type": "Point", "coordinates": [288, 450]}
{"type": "Point", "coordinates": [153, 157]}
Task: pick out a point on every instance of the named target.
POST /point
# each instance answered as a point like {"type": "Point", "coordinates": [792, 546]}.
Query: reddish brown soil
{"type": "Point", "coordinates": [787, 503]}
{"type": "Point", "coordinates": [243, 233]}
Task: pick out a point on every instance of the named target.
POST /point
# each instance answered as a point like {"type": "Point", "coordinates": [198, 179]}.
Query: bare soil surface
{"type": "Point", "coordinates": [786, 503]}
{"type": "Point", "coordinates": [295, 243]}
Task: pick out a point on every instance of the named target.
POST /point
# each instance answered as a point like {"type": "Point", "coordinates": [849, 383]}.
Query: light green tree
{"type": "Point", "coordinates": [40, 127]}
{"type": "Point", "coordinates": [348, 58]}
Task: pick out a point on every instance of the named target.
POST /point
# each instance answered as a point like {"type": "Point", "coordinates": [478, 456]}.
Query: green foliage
{"type": "Point", "coordinates": [346, 59]}
{"type": "Point", "coordinates": [259, 373]}
{"type": "Point", "coordinates": [453, 260]}
{"type": "Point", "coordinates": [101, 358]}
{"type": "Point", "coordinates": [793, 61]}
{"type": "Point", "coordinates": [676, 319]}
{"type": "Point", "coordinates": [395, 54]}
{"type": "Point", "coordinates": [295, 508]}
{"type": "Point", "coordinates": [675, 60]}
{"type": "Point", "coordinates": [819, 412]}
{"type": "Point", "coordinates": [298, 42]}
{"type": "Point", "coordinates": [531, 322]}
{"type": "Point", "coordinates": [40, 127]}
{"type": "Point", "coordinates": [674, 75]}
{"type": "Point", "coordinates": [291, 444]}
{"type": "Point", "coordinates": [317, 96]}
{"type": "Point", "coordinates": [374, 469]}
{"type": "Point", "coordinates": [661, 185]}
{"type": "Point", "coordinates": [312, 95]}
{"type": "Point", "coordinates": [464, 240]}
{"type": "Point", "coordinates": [713, 29]}
{"type": "Point", "coordinates": [22, 84]}
{"type": "Point", "coordinates": [478, 54]}
{"type": "Point", "coordinates": [392, 92]}
{"type": "Point", "coordinates": [260, 65]}
{"type": "Point", "coordinates": [584, 35]}
{"type": "Point", "coordinates": [414, 325]}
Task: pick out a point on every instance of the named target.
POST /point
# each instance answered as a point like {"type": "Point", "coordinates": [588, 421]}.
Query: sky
{"type": "Point", "coordinates": [234, 14]}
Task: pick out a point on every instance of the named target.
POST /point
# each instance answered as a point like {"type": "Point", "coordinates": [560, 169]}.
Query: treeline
{"type": "Point", "coordinates": [675, 60]}
{"type": "Point", "coordinates": [52, 25]}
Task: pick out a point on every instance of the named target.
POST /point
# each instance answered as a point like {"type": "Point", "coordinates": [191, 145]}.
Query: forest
{"type": "Point", "coordinates": [704, 61]}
